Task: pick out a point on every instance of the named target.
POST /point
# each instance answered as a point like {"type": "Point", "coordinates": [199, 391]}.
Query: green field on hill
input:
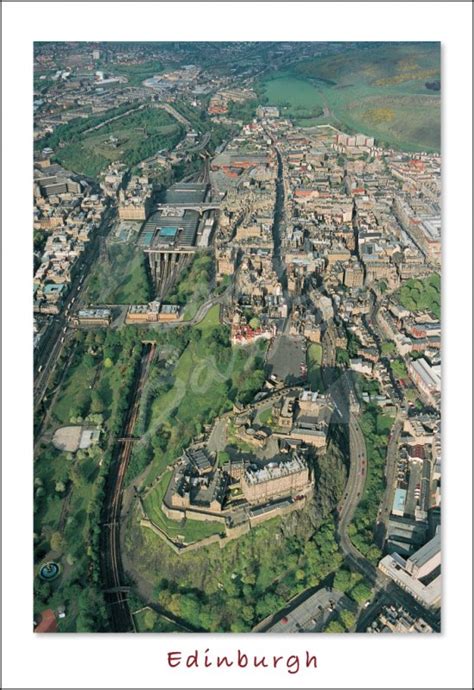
{"type": "Point", "coordinates": [386, 91]}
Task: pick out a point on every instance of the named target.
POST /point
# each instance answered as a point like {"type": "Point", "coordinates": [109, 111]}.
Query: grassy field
{"type": "Point", "coordinates": [121, 279]}
{"type": "Point", "coordinates": [210, 320]}
{"type": "Point", "coordinates": [379, 90]}
{"type": "Point", "coordinates": [314, 358]}
{"type": "Point", "coordinates": [301, 99]}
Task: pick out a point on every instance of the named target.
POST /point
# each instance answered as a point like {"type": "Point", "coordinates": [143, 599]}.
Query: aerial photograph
{"type": "Point", "coordinates": [237, 340]}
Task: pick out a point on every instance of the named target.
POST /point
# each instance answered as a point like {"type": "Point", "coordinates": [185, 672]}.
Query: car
{"type": "Point", "coordinates": [367, 604]}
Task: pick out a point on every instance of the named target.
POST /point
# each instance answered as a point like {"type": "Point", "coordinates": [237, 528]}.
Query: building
{"type": "Point", "coordinates": [397, 619]}
{"type": "Point", "coordinates": [198, 490]}
{"type": "Point", "coordinates": [93, 317]}
{"type": "Point", "coordinates": [398, 507]}
{"type": "Point", "coordinates": [225, 259]}
{"type": "Point", "coordinates": [395, 567]}
{"type": "Point", "coordinates": [426, 378]}
{"type": "Point", "coordinates": [426, 559]}
{"type": "Point", "coordinates": [267, 112]}
{"type": "Point", "coordinates": [54, 184]}
{"type": "Point", "coordinates": [169, 237]}
{"type": "Point", "coordinates": [135, 200]}
{"type": "Point", "coordinates": [285, 412]}
{"type": "Point", "coordinates": [153, 312]}
{"type": "Point", "coordinates": [278, 478]}
{"type": "Point", "coordinates": [354, 275]}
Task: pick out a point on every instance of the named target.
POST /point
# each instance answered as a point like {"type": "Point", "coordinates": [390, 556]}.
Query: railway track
{"type": "Point", "coordinates": [115, 591]}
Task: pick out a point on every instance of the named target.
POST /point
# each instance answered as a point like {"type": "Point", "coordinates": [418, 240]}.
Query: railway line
{"type": "Point", "coordinates": [115, 590]}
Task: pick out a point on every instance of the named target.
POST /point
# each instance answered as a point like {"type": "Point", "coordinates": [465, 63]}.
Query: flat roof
{"type": "Point", "coordinates": [399, 499]}
{"type": "Point", "coordinates": [168, 232]}
{"type": "Point", "coordinates": [186, 193]}
{"type": "Point", "coordinates": [427, 552]}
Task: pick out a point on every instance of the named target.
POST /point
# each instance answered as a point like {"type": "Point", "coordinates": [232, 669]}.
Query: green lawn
{"type": "Point", "coordinates": [314, 359]}
{"type": "Point", "coordinates": [302, 99]}
{"type": "Point", "coordinates": [265, 417]}
{"type": "Point", "coordinates": [75, 389]}
{"type": "Point", "coordinates": [121, 279]}
{"type": "Point", "coordinates": [211, 319]}
{"type": "Point", "coordinates": [315, 353]}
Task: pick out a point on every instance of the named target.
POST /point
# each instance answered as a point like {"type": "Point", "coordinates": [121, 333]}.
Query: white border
{"type": "Point", "coordinates": [139, 661]}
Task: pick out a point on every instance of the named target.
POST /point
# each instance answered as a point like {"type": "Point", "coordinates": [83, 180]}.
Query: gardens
{"type": "Point", "coordinates": [69, 486]}
{"type": "Point", "coordinates": [120, 278]}
{"type": "Point", "coordinates": [88, 146]}
{"type": "Point", "coordinates": [421, 295]}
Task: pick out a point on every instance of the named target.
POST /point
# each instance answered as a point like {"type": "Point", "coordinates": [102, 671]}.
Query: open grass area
{"type": "Point", "coordinates": [211, 319]}
{"type": "Point", "coordinates": [75, 391]}
{"type": "Point", "coordinates": [265, 416]}
{"type": "Point", "coordinates": [380, 90]}
{"type": "Point", "coordinates": [299, 98]}
{"type": "Point", "coordinates": [121, 279]}
{"type": "Point", "coordinates": [314, 359]}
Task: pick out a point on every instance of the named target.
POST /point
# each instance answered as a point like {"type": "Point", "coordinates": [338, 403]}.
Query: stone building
{"type": "Point", "coordinates": [281, 478]}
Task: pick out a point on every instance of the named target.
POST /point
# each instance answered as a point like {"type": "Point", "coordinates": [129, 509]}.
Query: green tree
{"type": "Point", "coordinates": [56, 541]}
{"type": "Point", "coordinates": [342, 356]}
{"type": "Point", "coordinates": [334, 626]}
{"type": "Point", "coordinates": [348, 618]}
{"type": "Point", "coordinates": [342, 580]}
{"type": "Point", "coordinates": [361, 593]}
